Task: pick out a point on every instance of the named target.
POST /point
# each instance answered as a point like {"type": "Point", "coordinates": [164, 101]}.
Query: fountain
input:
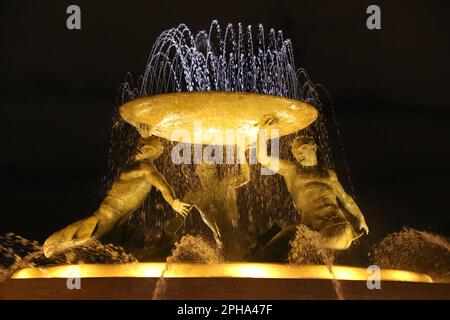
{"type": "Point", "coordinates": [216, 88]}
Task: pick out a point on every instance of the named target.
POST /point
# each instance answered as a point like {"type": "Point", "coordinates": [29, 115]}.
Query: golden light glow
{"type": "Point", "coordinates": [223, 116]}
{"type": "Point", "coordinates": [226, 270]}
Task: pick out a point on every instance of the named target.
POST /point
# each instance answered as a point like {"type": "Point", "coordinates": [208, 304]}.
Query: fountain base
{"type": "Point", "coordinates": [224, 281]}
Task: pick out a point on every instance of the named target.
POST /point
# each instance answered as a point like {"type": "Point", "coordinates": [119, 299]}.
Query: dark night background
{"type": "Point", "coordinates": [389, 86]}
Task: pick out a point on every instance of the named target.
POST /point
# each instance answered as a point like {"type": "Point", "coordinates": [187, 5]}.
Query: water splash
{"type": "Point", "coordinates": [17, 253]}
{"type": "Point", "coordinates": [193, 249]}
{"type": "Point", "coordinates": [27, 261]}
{"type": "Point", "coordinates": [306, 249]}
{"type": "Point", "coordinates": [414, 250]}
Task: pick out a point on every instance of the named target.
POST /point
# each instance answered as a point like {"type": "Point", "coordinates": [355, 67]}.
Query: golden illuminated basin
{"type": "Point", "coordinates": [209, 117]}
{"type": "Point", "coordinates": [227, 270]}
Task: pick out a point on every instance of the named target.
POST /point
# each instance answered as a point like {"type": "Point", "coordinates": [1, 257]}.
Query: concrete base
{"type": "Point", "coordinates": [216, 288]}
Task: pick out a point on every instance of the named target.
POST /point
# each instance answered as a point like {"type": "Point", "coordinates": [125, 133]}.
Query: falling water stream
{"type": "Point", "coordinates": [193, 249]}
{"type": "Point", "coordinates": [306, 250]}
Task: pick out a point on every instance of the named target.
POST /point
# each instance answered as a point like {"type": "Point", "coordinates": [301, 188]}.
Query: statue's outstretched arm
{"type": "Point", "coordinates": [281, 166]}
{"type": "Point", "coordinates": [158, 180]}
{"type": "Point", "coordinates": [348, 202]}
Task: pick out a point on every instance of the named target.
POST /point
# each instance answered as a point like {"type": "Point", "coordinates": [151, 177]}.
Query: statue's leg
{"type": "Point", "coordinates": [106, 217]}
{"type": "Point", "coordinates": [277, 248]}
{"type": "Point", "coordinates": [339, 236]}
{"type": "Point", "coordinates": [337, 232]}
{"type": "Point", "coordinates": [80, 231]}
{"type": "Point", "coordinates": [72, 235]}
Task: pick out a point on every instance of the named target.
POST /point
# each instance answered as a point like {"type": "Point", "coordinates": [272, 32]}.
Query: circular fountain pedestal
{"type": "Point", "coordinates": [224, 281]}
{"type": "Point", "coordinates": [218, 117]}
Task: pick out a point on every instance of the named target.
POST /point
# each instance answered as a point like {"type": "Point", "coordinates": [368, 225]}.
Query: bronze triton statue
{"type": "Point", "coordinates": [317, 194]}
{"type": "Point", "coordinates": [126, 195]}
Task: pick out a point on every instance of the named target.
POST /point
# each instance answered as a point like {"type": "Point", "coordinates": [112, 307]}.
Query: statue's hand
{"type": "Point", "coordinates": [268, 120]}
{"type": "Point", "coordinates": [70, 236]}
{"type": "Point", "coordinates": [363, 225]}
{"type": "Point", "coordinates": [144, 130]}
{"type": "Point", "coordinates": [181, 207]}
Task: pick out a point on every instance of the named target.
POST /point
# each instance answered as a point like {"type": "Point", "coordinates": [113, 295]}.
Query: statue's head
{"type": "Point", "coordinates": [207, 172]}
{"type": "Point", "coordinates": [149, 149]}
{"type": "Point", "coordinates": [304, 149]}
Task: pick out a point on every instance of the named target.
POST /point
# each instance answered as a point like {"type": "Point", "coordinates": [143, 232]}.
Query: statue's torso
{"type": "Point", "coordinates": [311, 189]}
{"type": "Point", "coordinates": [130, 189]}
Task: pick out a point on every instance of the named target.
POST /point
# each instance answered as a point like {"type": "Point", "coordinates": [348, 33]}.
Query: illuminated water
{"type": "Point", "coordinates": [17, 253]}
{"type": "Point", "coordinates": [190, 249]}
{"type": "Point", "coordinates": [414, 250]}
